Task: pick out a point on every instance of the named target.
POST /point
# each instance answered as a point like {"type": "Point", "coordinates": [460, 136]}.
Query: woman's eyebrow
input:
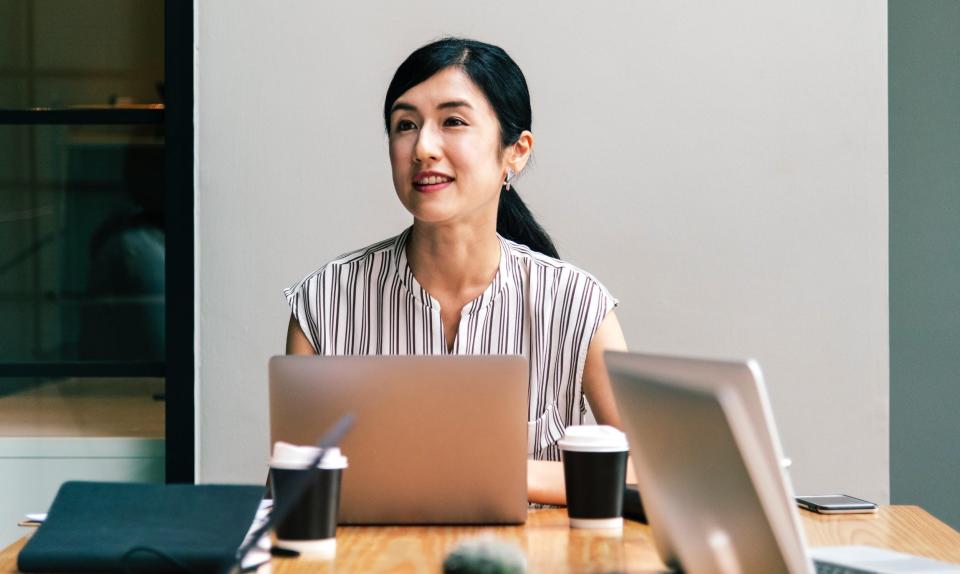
{"type": "Point", "coordinates": [454, 104]}
{"type": "Point", "coordinates": [412, 108]}
{"type": "Point", "coordinates": [402, 106]}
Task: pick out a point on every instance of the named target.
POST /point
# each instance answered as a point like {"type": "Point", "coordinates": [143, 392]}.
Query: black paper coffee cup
{"type": "Point", "coordinates": [311, 526]}
{"type": "Point", "coordinates": [594, 474]}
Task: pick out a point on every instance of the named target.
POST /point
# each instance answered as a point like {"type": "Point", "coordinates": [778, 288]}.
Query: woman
{"type": "Point", "coordinates": [475, 273]}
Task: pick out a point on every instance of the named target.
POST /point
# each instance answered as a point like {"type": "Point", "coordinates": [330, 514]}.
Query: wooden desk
{"type": "Point", "coordinates": [553, 547]}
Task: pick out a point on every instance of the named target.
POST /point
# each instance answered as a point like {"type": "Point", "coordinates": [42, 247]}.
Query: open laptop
{"type": "Point", "coordinates": [437, 439]}
{"type": "Point", "coordinates": [706, 455]}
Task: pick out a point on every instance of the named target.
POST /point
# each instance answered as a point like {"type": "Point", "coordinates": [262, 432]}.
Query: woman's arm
{"type": "Point", "coordinates": [545, 478]}
{"type": "Point", "coordinates": [297, 342]}
{"type": "Point", "coordinates": [596, 382]}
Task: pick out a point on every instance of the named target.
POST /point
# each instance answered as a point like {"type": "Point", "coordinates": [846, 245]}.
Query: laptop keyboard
{"type": "Point", "coordinates": [831, 568]}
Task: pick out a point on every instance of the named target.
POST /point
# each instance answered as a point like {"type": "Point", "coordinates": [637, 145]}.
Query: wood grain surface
{"type": "Point", "coordinates": [904, 528]}
{"type": "Point", "coordinates": [551, 546]}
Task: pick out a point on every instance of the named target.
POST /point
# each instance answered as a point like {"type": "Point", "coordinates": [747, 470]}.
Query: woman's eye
{"type": "Point", "coordinates": [455, 122]}
{"type": "Point", "coordinates": [404, 125]}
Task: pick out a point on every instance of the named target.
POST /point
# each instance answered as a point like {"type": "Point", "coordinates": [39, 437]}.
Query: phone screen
{"type": "Point", "coordinates": [835, 501]}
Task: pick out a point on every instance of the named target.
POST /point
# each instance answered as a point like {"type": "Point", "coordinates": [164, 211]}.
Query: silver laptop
{"type": "Point", "coordinates": [706, 455]}
{"type": "Point", "coordinates": [437, 439]}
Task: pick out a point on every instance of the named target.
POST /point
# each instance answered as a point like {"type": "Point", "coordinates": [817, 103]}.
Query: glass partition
{"type": "Point", "coordinates": [86, 141]}
{"type": "Point", "coordinates": [83, 233]}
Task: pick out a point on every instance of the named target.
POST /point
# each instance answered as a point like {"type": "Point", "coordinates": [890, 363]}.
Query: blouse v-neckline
{"type": "Point", "coordinates": [424, 298]}
{"type": "Point", "coordinates": [417, 290]}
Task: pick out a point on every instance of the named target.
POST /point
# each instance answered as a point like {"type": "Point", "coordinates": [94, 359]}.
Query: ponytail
{"type": "Point", "coordinates": [516, 223]}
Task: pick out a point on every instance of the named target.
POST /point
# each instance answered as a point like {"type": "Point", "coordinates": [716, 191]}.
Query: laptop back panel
{"type": "Point", "coordinates": [437, 440]}
{"type": "Point", "coordinates": [707, 464]}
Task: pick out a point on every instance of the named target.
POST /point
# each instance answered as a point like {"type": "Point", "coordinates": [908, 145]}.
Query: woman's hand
{"type": "Point", "coordinates": [545, 482]}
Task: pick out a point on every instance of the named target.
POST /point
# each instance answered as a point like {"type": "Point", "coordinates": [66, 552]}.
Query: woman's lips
{"type": "Point", "coordinates": [430, 187]}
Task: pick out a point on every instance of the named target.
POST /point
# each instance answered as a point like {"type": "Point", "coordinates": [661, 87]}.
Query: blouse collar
{"type": "Point", "coordinates": [505, 276]}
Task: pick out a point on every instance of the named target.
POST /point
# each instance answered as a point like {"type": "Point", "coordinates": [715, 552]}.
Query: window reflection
{"type": "Point", "coordinates": [82, 268]}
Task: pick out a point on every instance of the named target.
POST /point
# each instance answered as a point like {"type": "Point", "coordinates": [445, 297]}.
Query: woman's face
{"type": "Point", "coordinates": [445, 150]}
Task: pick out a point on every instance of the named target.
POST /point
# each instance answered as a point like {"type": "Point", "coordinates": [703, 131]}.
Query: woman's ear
{"type": "Point", "coordinates": [520, 152]}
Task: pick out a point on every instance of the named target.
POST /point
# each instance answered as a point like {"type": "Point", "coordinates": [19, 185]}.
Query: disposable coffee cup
{"type": "Point", "coordinates": [594, 473]}
{"type": "Point", "coordinates": [311, 526]}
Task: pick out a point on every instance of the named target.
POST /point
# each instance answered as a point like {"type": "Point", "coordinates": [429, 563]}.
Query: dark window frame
{"type": "Point", "coordinates": [178, 62]}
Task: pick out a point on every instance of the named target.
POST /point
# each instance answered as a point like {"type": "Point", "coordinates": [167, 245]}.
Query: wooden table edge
{"type": "Point", "coordinates": [810, 520]}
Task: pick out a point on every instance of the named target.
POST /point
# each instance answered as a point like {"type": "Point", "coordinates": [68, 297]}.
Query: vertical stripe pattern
{"type": "Point", "coordinates": [368, 302]}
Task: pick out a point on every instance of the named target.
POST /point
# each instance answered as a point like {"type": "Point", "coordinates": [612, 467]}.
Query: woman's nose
{"type": "Point", "coordinates": [428, 145]}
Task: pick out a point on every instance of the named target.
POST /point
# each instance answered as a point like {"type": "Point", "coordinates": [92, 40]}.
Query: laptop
{"type": "Point", "coordinates": [707, 460]}
{"type": "Point", "coordinates": [437, 439]}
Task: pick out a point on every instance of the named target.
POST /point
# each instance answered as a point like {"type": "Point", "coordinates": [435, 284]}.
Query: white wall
{"type": "Point", "coordinates": [721, 167]}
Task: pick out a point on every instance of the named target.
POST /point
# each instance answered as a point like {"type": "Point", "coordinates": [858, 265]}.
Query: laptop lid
{"type": "Point", "coordinates": [706, 455]}
{"type": "Point", "coordinates": [437, 439]}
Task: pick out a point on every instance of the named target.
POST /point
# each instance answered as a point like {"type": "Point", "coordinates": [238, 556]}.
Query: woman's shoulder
{"type": "Point", "coordinates": [548, 267]}
{"type": "Point", "coordinates": [351, 261]}
{"type": "Point", "coordinates": [560, 284]}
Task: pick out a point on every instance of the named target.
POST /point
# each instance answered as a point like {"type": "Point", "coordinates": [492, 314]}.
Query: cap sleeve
{"type": "Point", "coordinates": [606, 302]}
{"type": "Point", "coordinates": [305, 306]}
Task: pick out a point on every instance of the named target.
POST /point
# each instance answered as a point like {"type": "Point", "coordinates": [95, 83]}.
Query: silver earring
{"type": "Point", "coordinates": [510, 175]}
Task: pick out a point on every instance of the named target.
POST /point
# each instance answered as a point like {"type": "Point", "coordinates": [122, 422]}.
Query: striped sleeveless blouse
{"type": "Point", "coordinates": [368, 302]}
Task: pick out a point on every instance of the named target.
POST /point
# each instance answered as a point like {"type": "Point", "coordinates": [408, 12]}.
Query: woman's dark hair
{"type": "Point", "coordinates": [503, 84]}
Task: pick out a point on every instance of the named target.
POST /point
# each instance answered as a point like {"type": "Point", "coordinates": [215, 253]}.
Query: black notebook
{"type": "Point", "coordinates": [123, 527]}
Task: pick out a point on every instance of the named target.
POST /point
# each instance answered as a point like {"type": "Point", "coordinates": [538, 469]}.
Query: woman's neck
{"type": "Point", "coordinates": [453, 260]}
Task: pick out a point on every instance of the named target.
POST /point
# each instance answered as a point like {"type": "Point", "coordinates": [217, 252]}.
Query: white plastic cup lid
{"type": "Point", "coordinates": [593, 438]}
{"type": "Point", "coordinates": [291, 456]}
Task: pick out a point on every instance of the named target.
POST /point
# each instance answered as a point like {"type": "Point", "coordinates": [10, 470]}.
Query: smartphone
{"type": "Point", "coordinates": [836, 504]}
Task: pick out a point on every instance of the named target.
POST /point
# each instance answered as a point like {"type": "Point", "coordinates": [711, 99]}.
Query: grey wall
{"type": "Point", "coordinates": [722, 168]}
{"type": "Point", "coordinates": [925, 255]}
